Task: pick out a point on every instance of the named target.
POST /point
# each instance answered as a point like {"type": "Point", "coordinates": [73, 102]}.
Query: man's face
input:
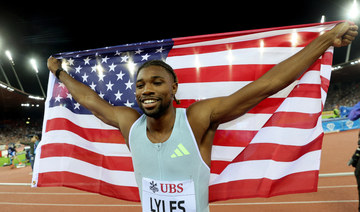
{"type": "Point", "coordinates": [155, 89]}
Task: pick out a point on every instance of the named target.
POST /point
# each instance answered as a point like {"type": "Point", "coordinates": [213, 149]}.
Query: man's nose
{"type": "Point", "coordinates": [148, 90]}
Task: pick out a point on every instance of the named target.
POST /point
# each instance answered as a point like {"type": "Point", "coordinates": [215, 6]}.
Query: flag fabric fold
{"type": "Point", "coordinates": [273, 149]}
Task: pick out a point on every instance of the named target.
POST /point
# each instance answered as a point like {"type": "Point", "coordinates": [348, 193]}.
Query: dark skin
{"type": "Point", "coordinates": [155, 90]}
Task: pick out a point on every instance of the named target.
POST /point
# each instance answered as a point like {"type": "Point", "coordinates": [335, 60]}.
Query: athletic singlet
{"type": "Point", "coordinates": [171, 176]}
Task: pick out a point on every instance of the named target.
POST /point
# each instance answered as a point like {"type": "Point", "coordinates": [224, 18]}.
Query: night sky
{"type": "Point", "coordinates": [40, 30]}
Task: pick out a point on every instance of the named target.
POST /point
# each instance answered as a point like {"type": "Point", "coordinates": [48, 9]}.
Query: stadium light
{"type": "Point", "coordinates": [34, 66]}
{"type": "Point", "coordinates": [322, 19]}
{"type": "Point", "coordinates": [353, 11]}
{"type": "Point", "coordinates": [8, 55]}
{"type": "Point", "coordinates": [352, 14]}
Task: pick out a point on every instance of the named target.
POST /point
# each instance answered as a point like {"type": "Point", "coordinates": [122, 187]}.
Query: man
{"type": "Point", "coordinates": [34, 142]}
{"type": "Point", "coordinates": [171, 148]}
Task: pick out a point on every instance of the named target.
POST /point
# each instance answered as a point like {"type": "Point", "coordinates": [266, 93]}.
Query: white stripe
{"type": "Point", "coordinates": [207, 90]}
{"type": "Point", "coordinates": [121, 178]}
{"type": "Point", "coordinates": [270, 55]}
{"type": "Point", "coordinates": [311, 77]}
{"type": "Point", "coordinates": [67, 137]}
{"type": "Point", "coordinates": [82, 120]}
{"type": "Point", "coordinates": [286, 203]}
{"type": "Point", "coordinates": [268, 168]}
{"type": "Point", "coordinates": [248, 121]}
{"type": "Point", "coordinates": [256, 36]}
{"type": "Point", "coordinates": [325, 71]}
{"type": "Point", "coordinates": [300, 105]}
{"type": "Point", "coordinates": [288, 136]}
{"type": "Point", "coordinates": [323, 96]}
{"type": "Point", "coordinates": [225, 153]}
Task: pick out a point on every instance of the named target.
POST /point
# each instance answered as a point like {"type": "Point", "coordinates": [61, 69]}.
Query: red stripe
{"type": "Point", "coordinates": [200, 38]}
{"type": "Point", "coordinates": [294, 183]}
{"type": "Point", "coordinates": [277, 152]}
{"type": "Point", "coordinates": [267, 106]}
{"type": "Point", "coordinates": [327, 58]}
{"type": "Point", "coordinates": [93, 135]}
{"type": "Point", "coordinates": [72, 151]}
{"type": "Point", "coordinates": [306, 90]}
{"type": "Point", "coordinates": [324, 83]}
{"type": "Point", "coordinates": [72, 180]}
{"type": "Point", "coordinates": [293, 120]}
{"type": "Point", "coordinates": [274, 41]}
{"type": "Point", "coordinates": [222, 73]}
{"type": "Point", "coordinates": [225, 73]}
{"type": "Point", "coordinates": [269, 151]}
{"type": "Point", "coordinates": [238, 138]}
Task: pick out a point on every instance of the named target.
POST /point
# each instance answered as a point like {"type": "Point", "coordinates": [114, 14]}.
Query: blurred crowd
{"type": "Point", "coordinates": [18, 130]}
{"type": "Point", "coordinates": [343, 94]}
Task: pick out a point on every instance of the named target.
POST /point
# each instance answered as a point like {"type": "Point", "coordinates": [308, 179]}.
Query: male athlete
{"type": "Point", "coordinates": [178, 181]}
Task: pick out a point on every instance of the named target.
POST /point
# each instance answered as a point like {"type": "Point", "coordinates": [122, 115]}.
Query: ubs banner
{"type": "Point", "coordinates": [337, 125]}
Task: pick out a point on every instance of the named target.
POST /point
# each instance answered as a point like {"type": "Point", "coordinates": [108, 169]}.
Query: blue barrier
{"type": "Point", "coordinates": [339, 124]}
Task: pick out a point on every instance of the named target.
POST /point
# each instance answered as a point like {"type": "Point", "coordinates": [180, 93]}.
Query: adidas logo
{"type": "Point", "coordinates": [180, 151]}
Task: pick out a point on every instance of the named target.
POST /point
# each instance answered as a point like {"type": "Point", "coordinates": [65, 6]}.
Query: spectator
{"type": "Point", "coordinates": [12, 155]}
{"type": "Point", "coordinates": [34, 141]}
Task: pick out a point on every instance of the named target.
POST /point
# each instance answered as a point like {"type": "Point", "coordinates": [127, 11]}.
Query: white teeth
{"type": "Point", "coordinates": [149, 101]}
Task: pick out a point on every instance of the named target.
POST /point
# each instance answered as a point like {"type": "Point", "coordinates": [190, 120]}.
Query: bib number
{"type": "Point", "coordinates": [168, 196]}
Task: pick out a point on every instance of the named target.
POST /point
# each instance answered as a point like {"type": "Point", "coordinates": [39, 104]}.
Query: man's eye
{"type": "Point", "coordinates": [139, 85]}
{"type": "Point", "coordinates": [157, 83]}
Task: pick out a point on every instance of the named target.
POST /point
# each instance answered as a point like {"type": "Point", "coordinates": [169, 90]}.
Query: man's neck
{"type": "Point", "coordinates": [163, 124]}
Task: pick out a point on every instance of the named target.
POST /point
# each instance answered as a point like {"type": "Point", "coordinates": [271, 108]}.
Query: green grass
{"type": "Point", "coordinates": [20, 155]}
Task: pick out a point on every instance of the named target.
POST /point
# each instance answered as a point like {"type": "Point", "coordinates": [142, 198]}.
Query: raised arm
{"type": "Point", "coordinates": [223, 109]}
{"type": "Point", "coordinates": [120, 117]}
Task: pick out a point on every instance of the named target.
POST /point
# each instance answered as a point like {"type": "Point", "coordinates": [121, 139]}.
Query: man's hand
{"type": "Point", "coordinates": [344, 34]}
{"type": "Point", "coordinates": [53, 64]}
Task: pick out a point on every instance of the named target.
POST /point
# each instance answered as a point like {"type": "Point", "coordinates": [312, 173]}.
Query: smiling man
{"type": "Point", "coordinates": [171, 148]}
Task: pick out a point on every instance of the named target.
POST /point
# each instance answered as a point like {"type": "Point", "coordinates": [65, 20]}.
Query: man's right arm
{"type": "Point", "coordinates": [117, 116]}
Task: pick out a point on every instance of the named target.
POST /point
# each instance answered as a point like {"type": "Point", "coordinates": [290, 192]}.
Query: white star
{"type": "Point", "coordinates": [70, 61]}
{"type": "Point", "coordinates": [84, 77]}
{"type": "Point", "coordinates": [118, 95]}
{"type": "Point", "coordinates": [104, 60]}
{"type": "Point", "coordinates": [128, 104]}
{"type": "Point", "coordinates": [101, 76]}
{"type": "Point", "coordinates": [61, 84]}
{"type": "Point", "coordinates": [145, 57]}
{"type": "Point", "coordinates": [68, 95]}
{"type": "Point", "coordinates": [87, 60]}
{"type": "Point", "coordinates": [93, 85]}
{"type": "Point", "coordinates": [78, 69]}
{"type": "Point", "coordinates": [58, 98]}
{"type": "Point", "coordinates": [117, 53]}
{"type": "Point", "coordinates": [101, 95]}
{"type": "Point", "coordinates": [128, 85]}
{"type": "Point", "coordinates": [112, 67]}
{"type": "Point", "coordinates": [120, 75]}
{"type": "Point", "coordinates": [93, 68]}
{"type": "Point", "coordinates": [138, 51]}
{"type": "Point", "coordinates": [124, 58]}
{"type": "Point", "coordinates": [77, 106]}
{"type": "Point", "coordinates": [109, 86]}
{"type": "Point", "coordinates": [160, 50]}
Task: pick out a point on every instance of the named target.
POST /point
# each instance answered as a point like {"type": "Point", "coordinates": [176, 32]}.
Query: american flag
{"type": "Point", "coordinates": [271, 150]}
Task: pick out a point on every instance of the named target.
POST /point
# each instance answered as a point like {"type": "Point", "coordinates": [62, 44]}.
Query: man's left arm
{"type": "Point", "coordinates": [227, 108]}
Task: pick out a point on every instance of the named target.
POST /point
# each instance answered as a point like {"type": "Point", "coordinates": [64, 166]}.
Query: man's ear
{"type": "Point", "coordinates": [174, 88]}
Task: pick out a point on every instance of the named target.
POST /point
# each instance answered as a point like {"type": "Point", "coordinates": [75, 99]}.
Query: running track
{"type": "Point", "coordinates": [335, 194]}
